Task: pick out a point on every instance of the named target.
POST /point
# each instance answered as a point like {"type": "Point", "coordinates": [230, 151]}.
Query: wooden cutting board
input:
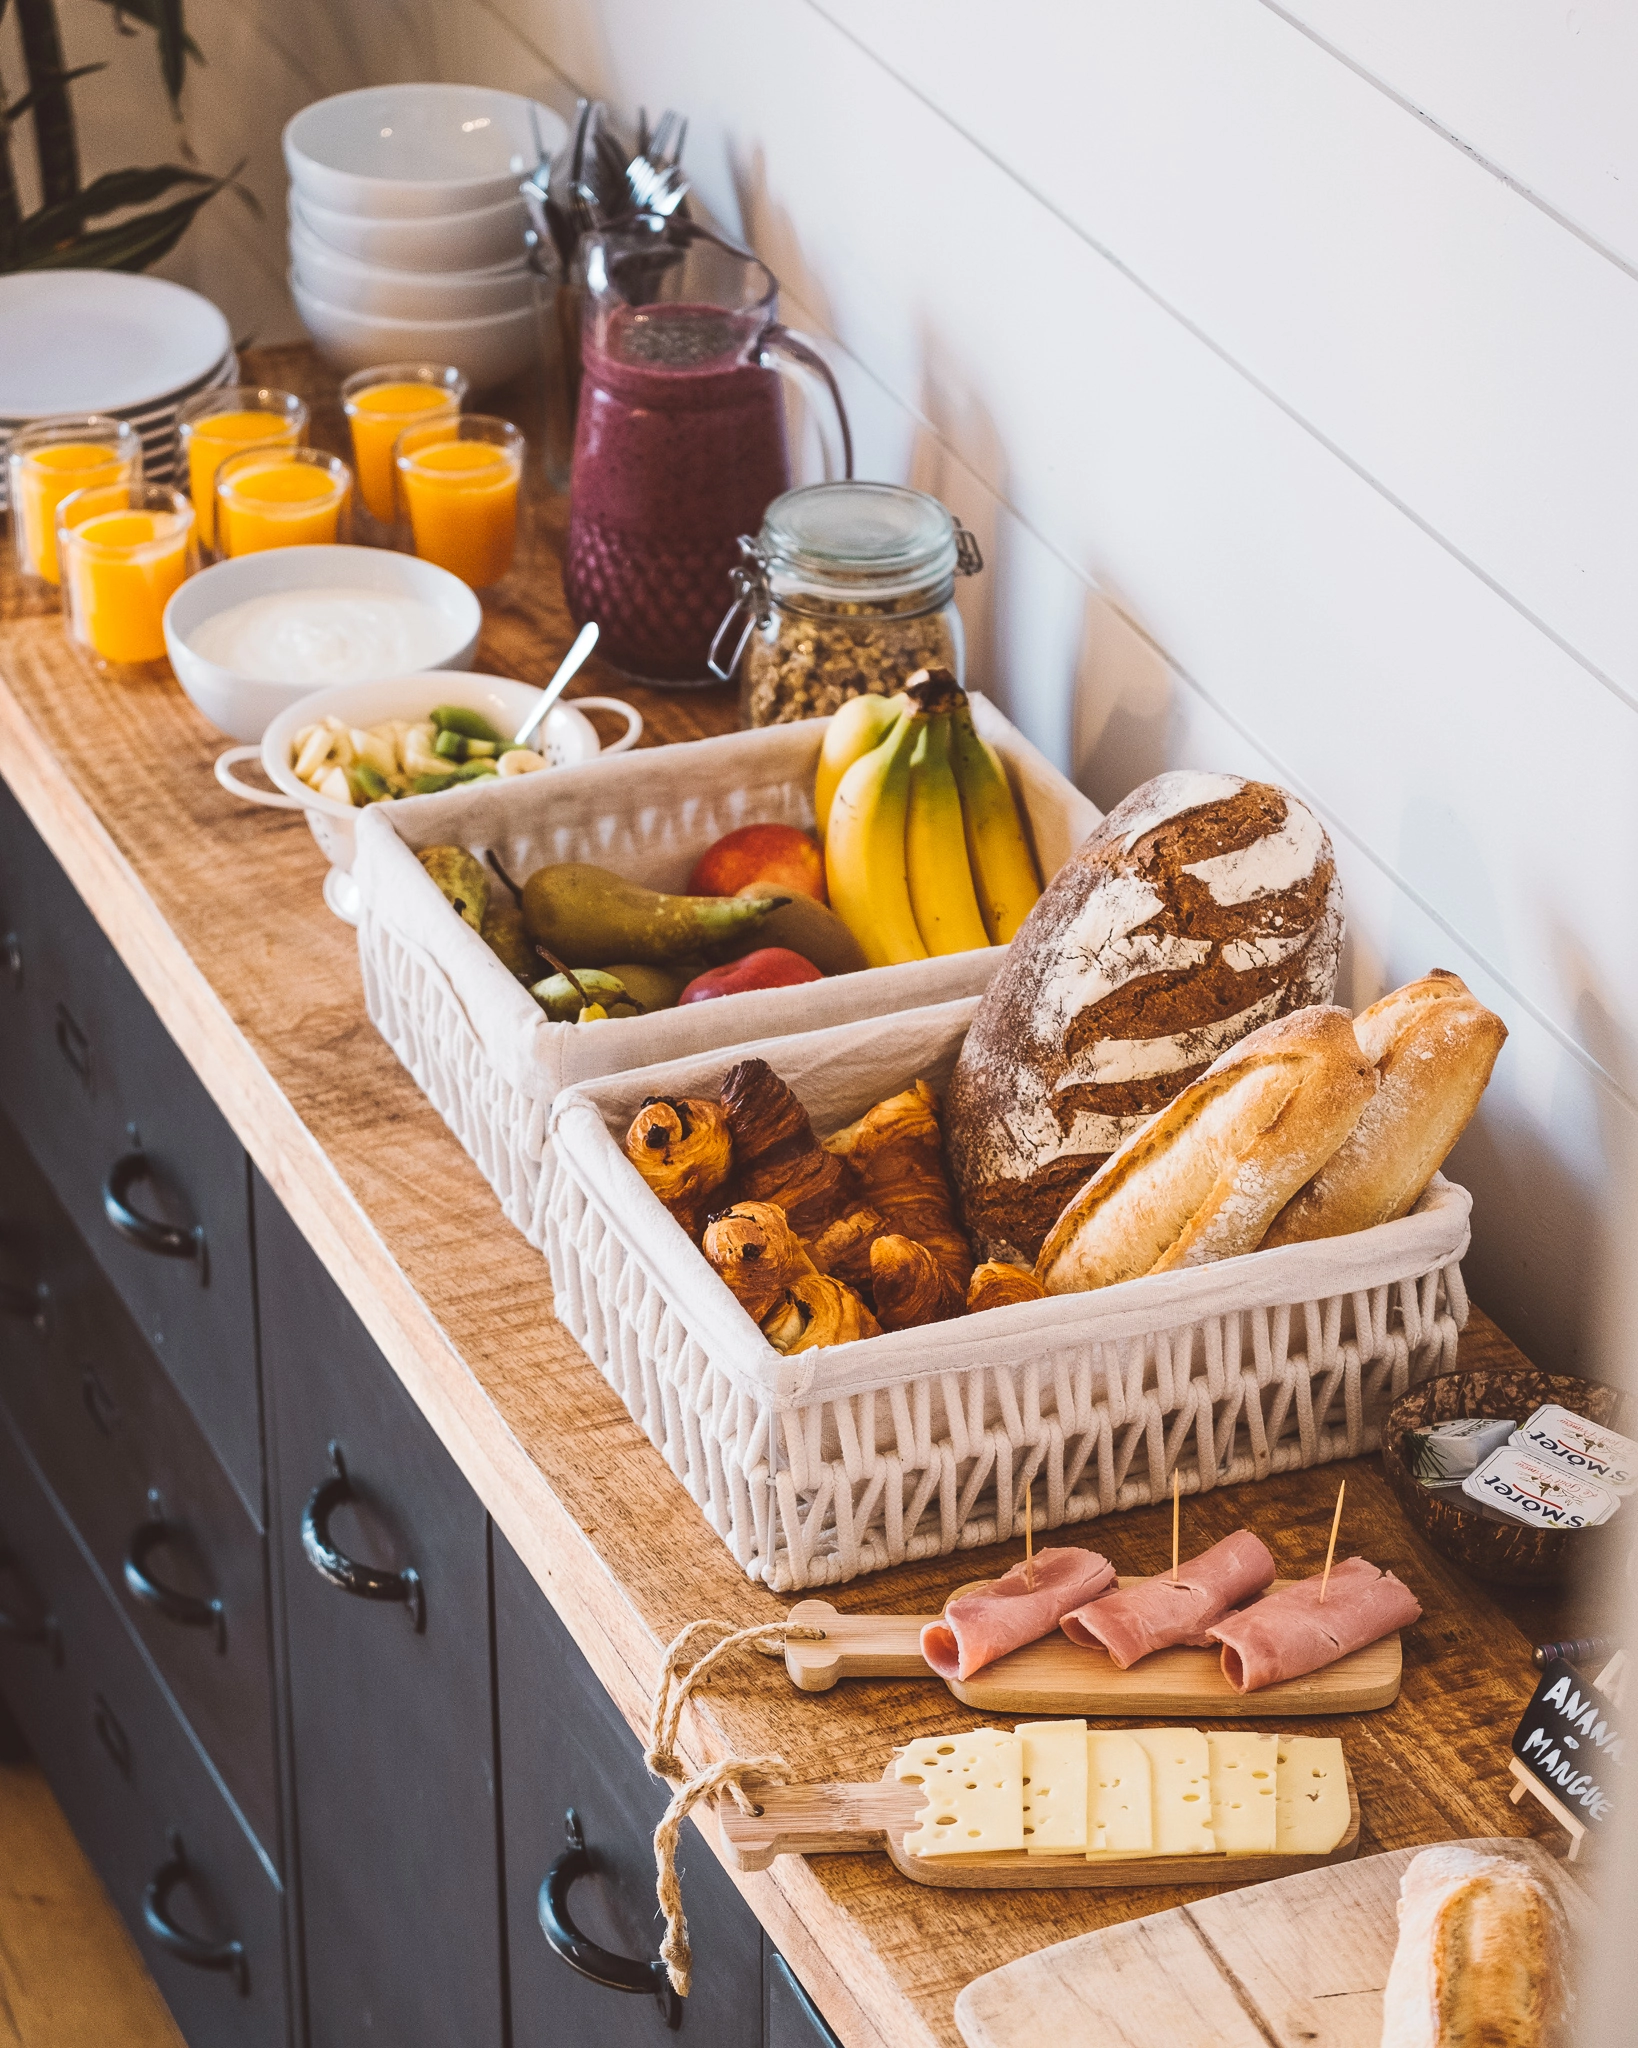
{"type": "Point", "coordinates": [1300, 1963]}
{"type": "Point", "coordinates": [828, 1820]}
{"type": "Point", "coordinates": [1056, 1676]}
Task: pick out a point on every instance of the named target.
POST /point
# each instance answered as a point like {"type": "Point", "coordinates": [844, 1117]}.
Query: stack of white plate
{"type": "Point", "coordinates": [75, 341]}
{"type": "Point", "coordinates": [406, 229]}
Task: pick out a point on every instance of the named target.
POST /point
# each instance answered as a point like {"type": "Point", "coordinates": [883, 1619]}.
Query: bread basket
{"type": "Point", "coordinates": [817, 1467]}
{"type": "Point", "coordinates": [477, 1043]}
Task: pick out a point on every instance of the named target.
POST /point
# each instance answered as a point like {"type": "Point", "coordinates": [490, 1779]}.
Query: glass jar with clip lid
{"type": "Point", "coordinates": [848, 589]}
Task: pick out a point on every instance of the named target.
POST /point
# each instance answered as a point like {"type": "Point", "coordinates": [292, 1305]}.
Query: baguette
{"type": "Point", "coordinates": [1204, 1178]}
{"type": "Point", "coordinates": [1433, 1044]}
{"type": "Point", "coordinates": [1482, 1958]}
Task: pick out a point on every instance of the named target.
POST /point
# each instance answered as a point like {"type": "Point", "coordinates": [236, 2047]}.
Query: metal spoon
{"type": "Point", "coordinates": [567, 670]}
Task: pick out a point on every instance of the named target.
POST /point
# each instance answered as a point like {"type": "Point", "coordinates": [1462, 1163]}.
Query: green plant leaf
{"type": "Point", "coordinates": [52, 225]}
{"type": "Point", "coordinates": [19, 108]}
{"type": "Point", "coordinates": [133, 245]}
{"type": "Point", "coordinates": [149, 12]}
{"type": "Point", "coordinates": [173, 55]}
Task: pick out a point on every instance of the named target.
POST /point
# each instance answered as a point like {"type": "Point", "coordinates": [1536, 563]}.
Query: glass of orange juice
{"type": "Point", "coordinates": [123, 550]}
{"type": "Point", "coordinates": [281, 498]}
{"type": "Point", "coordinates": [458, 482]}
{"type": "Point", "coordinates": [48, 462]}
{"type": "Point", "coordinates": [218, 424]}
{"type": "Point", "coordinates": [379, 405]}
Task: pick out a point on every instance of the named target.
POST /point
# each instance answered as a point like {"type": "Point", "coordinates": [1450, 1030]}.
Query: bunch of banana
{"type": "Point", "coordinates": [925, 852]}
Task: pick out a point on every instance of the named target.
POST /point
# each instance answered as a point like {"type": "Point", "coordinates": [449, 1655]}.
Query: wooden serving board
{"type": "Point", "coordinates": [1056, 1676]}
{"type": "Point", "coordinates": [829, 1820]}
{"type": "Point", "coordinates": [1300, 1963]}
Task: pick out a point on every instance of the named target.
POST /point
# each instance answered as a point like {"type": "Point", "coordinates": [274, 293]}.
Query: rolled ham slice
{"type": "Point", "coordinates": [1158, 1614]}
{"type": "Point", "coordinates": [1289, 1633]}
{"type": "Point", "coordinates": [979, 1627]}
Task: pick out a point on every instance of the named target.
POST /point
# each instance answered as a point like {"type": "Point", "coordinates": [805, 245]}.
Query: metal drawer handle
{"type": "Point", "coordinates": [44, 1631]}
{"type": "Point", "coordinates": [187, 1609]}
{"type": "Point", "coordinates": [164, 1240]}
{"type": "Point", "coordinates": [26, 1304]}
{"type": "Point", "coordinates": [583, 1955]}
{"type": "Point", "coordinates": [75, 1047]}
{"type": "Point", "coordinates": [344, 1571]}
{"type": "Point", "coordinates": [176, 1941]}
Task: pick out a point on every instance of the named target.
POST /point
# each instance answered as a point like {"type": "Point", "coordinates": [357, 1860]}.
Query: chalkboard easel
{"type": "Point", "coordinates": [1611, 1682]}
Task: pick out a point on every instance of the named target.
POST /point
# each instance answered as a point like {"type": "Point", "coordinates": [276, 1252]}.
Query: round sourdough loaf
{"type": "Point", "coordinates": [1201, 907]}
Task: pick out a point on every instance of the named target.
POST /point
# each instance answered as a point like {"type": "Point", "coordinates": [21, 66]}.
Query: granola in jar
{"type": "Point", "coordinates": [848, 590]}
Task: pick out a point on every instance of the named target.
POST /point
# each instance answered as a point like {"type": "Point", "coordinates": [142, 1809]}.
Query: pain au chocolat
{"type": "Point", "coordinates": [1202, 907]}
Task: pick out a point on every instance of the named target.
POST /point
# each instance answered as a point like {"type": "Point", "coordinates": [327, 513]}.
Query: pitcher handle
{"type": "Point", "coordinates": [777, 338]}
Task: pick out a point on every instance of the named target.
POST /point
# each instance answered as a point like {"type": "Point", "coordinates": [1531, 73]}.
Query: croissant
{"type": "Point", "coordinates": [843, 1247]}
{"type": "Point", "coordinates": [757, 1253]}
{"type": "Point", "coordinates": [682, 1148]}
{"type": "Point", "coordinates": [817, 1310]}
{"type": "Point", "coordinates": [777, 1156]}
{"type": "Point", "coordinates": [910, 1285]}
{"type": "Point", "coordinates": [898, 1150]}
{"type": "Point", "coordinates": [998, 1285]}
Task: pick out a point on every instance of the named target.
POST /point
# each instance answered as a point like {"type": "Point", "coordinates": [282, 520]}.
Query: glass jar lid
{"type": "Point", "coordinates": [862, 541]}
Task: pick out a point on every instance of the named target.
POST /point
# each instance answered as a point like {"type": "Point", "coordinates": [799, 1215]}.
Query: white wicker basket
{"type": "Point", "coordinates": [477, 1043]}
{"type": "Point", "coordinates": [817, 1467]}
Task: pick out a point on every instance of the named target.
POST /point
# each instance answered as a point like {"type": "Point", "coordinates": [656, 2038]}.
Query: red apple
{"type": "Point", "coordinates": [767, 967]}
{"type": "Point", "coordinates": [778, 856]}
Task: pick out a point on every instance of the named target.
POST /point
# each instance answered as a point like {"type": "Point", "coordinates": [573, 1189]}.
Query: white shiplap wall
{"type": "Point", "coordinates": [1281, 358]}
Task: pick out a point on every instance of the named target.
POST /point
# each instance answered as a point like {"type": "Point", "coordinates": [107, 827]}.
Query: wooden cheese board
{"type": "Point", "coordinates": [1056, 1676]}
{"type": "Point", "coordinates": [1299, 1963]}
{"type": "Point", "coordinates": [831, 1820]}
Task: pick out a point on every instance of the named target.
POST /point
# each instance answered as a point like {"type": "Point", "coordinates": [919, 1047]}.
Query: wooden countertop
{"type": "Point", "coordinates": [215, 908]}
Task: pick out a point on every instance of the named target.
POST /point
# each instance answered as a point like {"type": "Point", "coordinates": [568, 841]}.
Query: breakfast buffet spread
{"type": "Point", "coordinates": [924, 1159]}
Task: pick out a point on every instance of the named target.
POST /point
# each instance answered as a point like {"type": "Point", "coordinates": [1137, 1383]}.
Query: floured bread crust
{"type": "Point", "coordinates": [1204, 1178]}
{"type": "Point", "coordinates": [1201, 908]}
{"type": "Point", "coordinates": [1482, 1959]}
{"type": "Point", "coordinates": [1433, 1044]}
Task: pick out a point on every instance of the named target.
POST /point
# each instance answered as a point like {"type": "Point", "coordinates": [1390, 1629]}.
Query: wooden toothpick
{"type": "Point", "coordinates": [1177, 1492]}
{"type": "Point", "coordinates": [1331, 1547]}
{"type": "Point", "coordinates": [1029, 1534]}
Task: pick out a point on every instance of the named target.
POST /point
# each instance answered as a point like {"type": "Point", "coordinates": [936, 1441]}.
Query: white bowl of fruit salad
{"type": "Point", "coordinates": [339, 750]}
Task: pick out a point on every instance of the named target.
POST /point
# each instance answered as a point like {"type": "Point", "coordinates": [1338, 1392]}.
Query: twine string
{"type": "Point", "coordinates": [684, 1667]}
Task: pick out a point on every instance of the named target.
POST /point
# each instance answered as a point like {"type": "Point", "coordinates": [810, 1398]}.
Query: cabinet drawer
{"type": "Point", "coordinates": [133, 1784]}
{"type": "Point", "coordinates": [794, 2021]}
{"type": "Point", "coordinates": [565, 1745]}
{"type": "Point", "coordinates": [124, 1130]}
{"type": "Point", "coordinates": [131, 1468]}
{"type": "Point", "coordinates": [383, 1578]}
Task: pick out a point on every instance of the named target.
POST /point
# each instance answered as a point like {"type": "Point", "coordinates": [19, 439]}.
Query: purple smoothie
{"type": "Point", "coordinates": [680, 448]}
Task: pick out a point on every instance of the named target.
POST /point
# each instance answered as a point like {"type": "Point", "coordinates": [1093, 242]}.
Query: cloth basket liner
{"type": "Point", "coordinates": [476, 1042]}
{"type": "Point", "coordinates": [850, 1458]}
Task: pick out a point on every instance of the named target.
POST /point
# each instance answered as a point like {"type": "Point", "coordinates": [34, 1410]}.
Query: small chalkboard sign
{"type": "Point", "coordinates": [1571, 1745]}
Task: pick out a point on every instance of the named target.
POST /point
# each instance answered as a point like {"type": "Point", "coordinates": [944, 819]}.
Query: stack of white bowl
{"type": "Point", "coordinates": [406, 229]}
{"type": "Point", "coordinates": [80, 341]}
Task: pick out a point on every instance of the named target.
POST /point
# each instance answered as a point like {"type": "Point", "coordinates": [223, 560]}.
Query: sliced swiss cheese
{"type": "Point", "coordinates": [1120, 1813]}
{"type": "Point", "coordinates": [975, 1793]}
{"type": "Point", "coordinates": [1243, 1783]}
{"type": "Point", "coordinates": [1180, 1780]}
{"type": "Point", "coordinates": [1311, 1803]}
{"type": "Point", "coordinates": [1055, 1764]}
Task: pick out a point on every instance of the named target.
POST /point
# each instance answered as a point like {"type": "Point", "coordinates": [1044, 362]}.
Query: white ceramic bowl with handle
{"type": "Point", "coordinates": [409, 151]}
{"type": "Point", "coordinates": [488, 350]}
{"type": "Point", "coordinates": [481, 240]}
{"type": "Point", "coordinates": [244, 706]}
{"type": "Point", "coordinates": [569, 737]}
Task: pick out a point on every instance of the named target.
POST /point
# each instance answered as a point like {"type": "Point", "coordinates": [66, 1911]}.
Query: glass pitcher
{"type": "Point", "coordinates": [680, 445]}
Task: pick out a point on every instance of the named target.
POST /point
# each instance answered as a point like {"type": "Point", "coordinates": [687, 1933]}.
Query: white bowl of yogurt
{"type": "Point", "coordinates": [251, 636]}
